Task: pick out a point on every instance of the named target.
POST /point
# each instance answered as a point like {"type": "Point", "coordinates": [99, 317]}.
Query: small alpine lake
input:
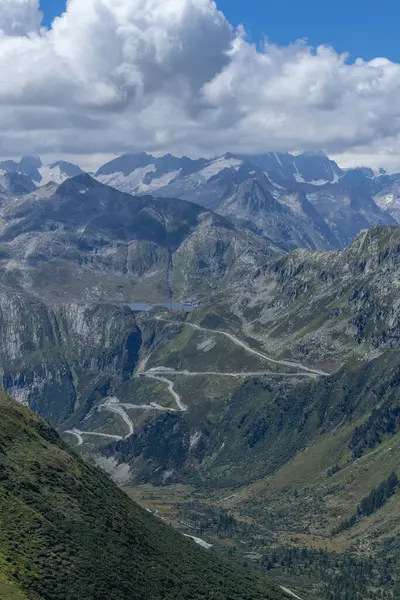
{"type": "Point", "coordinates": [143, 306]}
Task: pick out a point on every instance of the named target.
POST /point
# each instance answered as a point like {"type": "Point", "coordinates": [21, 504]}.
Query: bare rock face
{"type": "Point", "coordinates": [324, 307]}
{"type": "Point", "coordinates": [297, 201]}
{"type": "Point", "coordinates": [54, 359]}
{"type": "Point", "coordinates": [84, 241]}
{"type": "Point", "coordinates": [388, 199]}
{"type": "Point", "coordinates": [304, 201]}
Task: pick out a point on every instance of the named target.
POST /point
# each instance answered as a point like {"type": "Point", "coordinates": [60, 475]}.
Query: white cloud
{"type": "Point", "coordinates": [172, 75]}
{"type": "Point", "coordinates": [19, 17]}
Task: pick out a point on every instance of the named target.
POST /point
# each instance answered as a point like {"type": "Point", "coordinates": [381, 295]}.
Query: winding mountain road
{"type": "Point", "coordinates": [287, 591]}
{"type": "Point", "coordinates": [308, 370]}
{"type": "Point", "coordinates": [181, 407]}
{"type": "Point", "coordinates": [153, 373]}
{"type": "Point", "coordinates": [114, 405]}
{"type": "Point", "coordinates": [198, 541]}
{"type": "Point", "coordinates": [147, 407]}
{"type": "Point", "coordinates": [78, 434]}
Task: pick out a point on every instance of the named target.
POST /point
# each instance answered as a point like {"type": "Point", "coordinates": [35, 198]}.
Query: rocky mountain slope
{"type": "Point", "coordinates": [28, 166]}
{"type": "Point", "coordinates": [32, 169]}
{"type": "Point", "coordinates": [83, 240]}
{"type": "Point", "coordinates": [146, 171]}
{"type": "Point", "coordinates": [61, 360]}
{"type": "Point", "coordinates": [68, 532]}
{"type": "Point", "coordinates": [58, 172]}
{"type": "Point", "coordinates": [298, 201]}
{"type": "Point", "coordinates": [322, 307]}
{"type": "Point", "coordinates": [349, 206]}
{"type": "Point", "coordinates": [304, 200]}
{"type": "Point", "coordinates": [388, 198]}
{"type": "Point", "coordinates": [12, 184]}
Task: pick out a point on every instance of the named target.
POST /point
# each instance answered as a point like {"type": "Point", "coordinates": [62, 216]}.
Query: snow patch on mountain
{"type": "Point", "coordinates": [50, 173]}
{"type": "Point", "coordinates": [159, 182]}
{"type": "Point", "coordinates": [299, 178]}
{"type": "Point", "coordinates": [57, 172]}
{"type": "Point", "coordinates": [127, 183]}
{"type": "Point", "coordinates": [320, 182]}
{"type": "Point", "coordinates": [219, 165]}
{"type": "Point", "coordinates": [389, 201]}
{"type": "Point", "coordinates": [139, 182]}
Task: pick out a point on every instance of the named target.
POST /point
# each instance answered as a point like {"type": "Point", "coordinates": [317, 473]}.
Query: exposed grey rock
{"type": "Point", "coordinates": [83, 241]}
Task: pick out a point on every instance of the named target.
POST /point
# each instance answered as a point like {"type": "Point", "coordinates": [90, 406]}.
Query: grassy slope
{"type": "Point", "coordinates": [66, 532]}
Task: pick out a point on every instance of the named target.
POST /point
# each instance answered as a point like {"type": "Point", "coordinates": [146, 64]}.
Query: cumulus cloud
{"type": "Point", "coordinates": [19, 17]}
{"type": "Point", "coordinates": [173, 75]}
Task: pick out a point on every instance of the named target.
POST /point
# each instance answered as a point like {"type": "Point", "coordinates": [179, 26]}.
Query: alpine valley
{"type": "Point", "coordinates": [222, 338]}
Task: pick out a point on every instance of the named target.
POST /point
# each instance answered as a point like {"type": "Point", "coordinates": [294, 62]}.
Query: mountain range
{"type": "Point", "coordinates": [303, 200]}
{"type": "Point", "coordinates": [297, 201]}
{"type": "Point", "coordinates": [87, 241]}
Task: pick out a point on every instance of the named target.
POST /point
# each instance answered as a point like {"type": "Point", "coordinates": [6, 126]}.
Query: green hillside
{"type": "Point", "coordinates": [67, 533]}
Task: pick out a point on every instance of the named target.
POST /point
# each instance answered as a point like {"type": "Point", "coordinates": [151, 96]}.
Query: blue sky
{"type": "Point", "coordinates": [362, 28]}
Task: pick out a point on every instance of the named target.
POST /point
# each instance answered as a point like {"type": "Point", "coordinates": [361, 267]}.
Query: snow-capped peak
{"type": "Point", "coordinates": [58, 172]}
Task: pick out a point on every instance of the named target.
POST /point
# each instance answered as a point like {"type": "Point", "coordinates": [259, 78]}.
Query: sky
{"type": "Point", "coordinates": [191, 77]}
{"type": "Point", "coordinates": [362, 29]}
